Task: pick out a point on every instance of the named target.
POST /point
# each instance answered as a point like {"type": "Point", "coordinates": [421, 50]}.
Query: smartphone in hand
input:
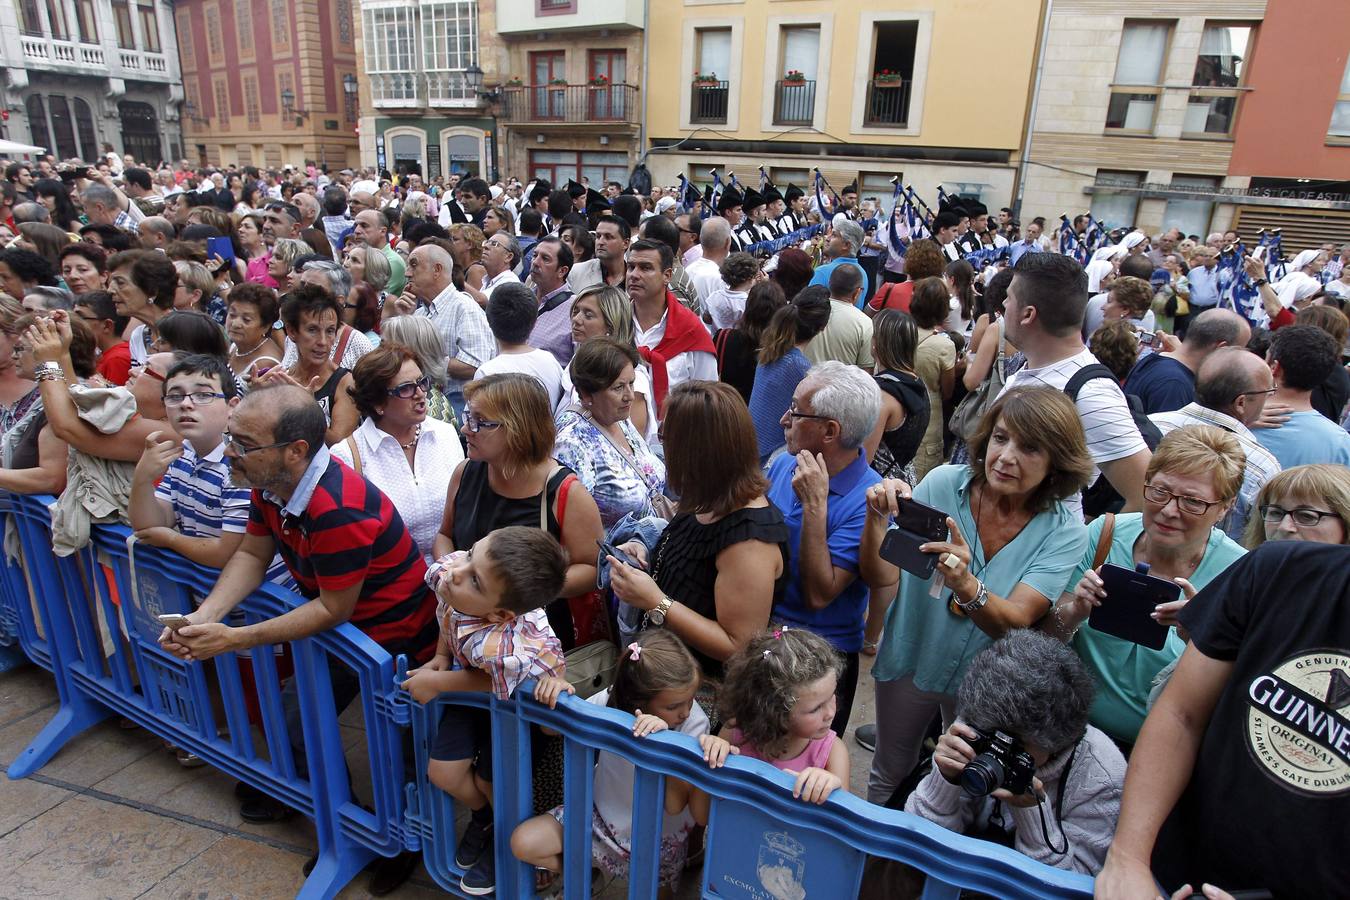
{"type": "Point", "coordinates": [173, 621]}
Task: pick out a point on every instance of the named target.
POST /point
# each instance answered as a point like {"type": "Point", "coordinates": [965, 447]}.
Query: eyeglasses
{"type": "Point", "coordinates": [473, 424]}
{"type": "Point", "coordinates": [146, 370]}
{"type": "Point", "coordinates": [199, 398]}
{"type": "Point", "coordinates": [409, 389]}
{"type": "Point", "coordinates": [1192, 505]}
{"type": "Point", "coordinates": [1267, 392]}
{"type": "Point", "coordinates": [235, 447]}
{"type": "Point", "coordinates": [792, 411]}
{"type": "Point", "coordinates": [1303, 516]}
{"type": "Point", "coordinates": [88, 318]}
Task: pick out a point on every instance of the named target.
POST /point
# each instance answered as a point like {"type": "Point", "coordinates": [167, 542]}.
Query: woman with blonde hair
{"type": "Point", "coordinates": [603, 310]}
{"type": "Point", "coordinates": [466, 242]}
{"type": "Point", "coordinates": [511, 478]}
{"type": "Point", "coordinates": [281, 264]}
{"type": "Point", "coordinates": [17, 394]}
{"type": "Point", "coordinates": [1189, 486]}
{"type": "Point", "coordinates": [1012, 545]}
{"type": "Point", "coordinates": [1305, 503]}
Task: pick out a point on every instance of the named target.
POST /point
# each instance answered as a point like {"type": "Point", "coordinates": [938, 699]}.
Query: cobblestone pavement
{"type": "Point", "coordinates": [113, 815]}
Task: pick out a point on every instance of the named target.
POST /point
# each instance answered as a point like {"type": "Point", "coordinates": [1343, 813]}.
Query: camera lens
{"type": "Point", "coordinates": [982, 775]}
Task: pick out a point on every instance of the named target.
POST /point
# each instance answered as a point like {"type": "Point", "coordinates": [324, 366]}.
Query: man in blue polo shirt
{"type": "Point", "coordinates": [820, 487]}
{"type": "Point", "coordinates": [842, 246]}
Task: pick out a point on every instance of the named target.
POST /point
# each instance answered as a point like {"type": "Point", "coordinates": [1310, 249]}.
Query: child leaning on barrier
{"type": "Point", "coordinates": [491, 600]}
{"type": "Point", "coordinates": [655, 680]}
{"type": "Point", "coordinates": [778, 700]}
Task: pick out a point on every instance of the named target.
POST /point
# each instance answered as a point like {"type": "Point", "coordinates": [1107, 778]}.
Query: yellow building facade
{"type": "Point", "coordinates": [934, 91]}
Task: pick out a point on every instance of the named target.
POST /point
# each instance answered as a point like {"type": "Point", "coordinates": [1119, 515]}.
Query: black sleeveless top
{"type": "Point", "coordinates": [736, 360]}
{"type": "Point", "coordinates": [685, 559]}
{"type": "Point", "coordinates": [479, 510]}
{"type": "Point", "coordinates": [897, 447]}
{"type": "Point", "coordinates": [25, 454]}
{"type": "Point", "coordinates": [324, 395]}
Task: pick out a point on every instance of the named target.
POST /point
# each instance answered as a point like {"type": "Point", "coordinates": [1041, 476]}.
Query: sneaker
{"type": "Point", "coordinates": [187, 759]}
{"type": "Point", "coordinates": [481, 880]}
{"type": "Point", "coordinates": [866, 736]}
{"type": "Point", "coordinates": [477, 838]}
{"type": "Point", "coordinates": [388, 874]}
{"type": "Point", "coordinates": [264, 810]}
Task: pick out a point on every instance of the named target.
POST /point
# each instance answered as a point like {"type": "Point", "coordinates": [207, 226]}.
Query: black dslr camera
{"type": "Point", "coordinates": [1000, 762]}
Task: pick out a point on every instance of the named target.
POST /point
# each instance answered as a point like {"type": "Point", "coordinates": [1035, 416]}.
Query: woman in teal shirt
{"type": "Point", "coordinates": [1011, 549]}
{"type": "Point", "coordinates": [1189, 486]}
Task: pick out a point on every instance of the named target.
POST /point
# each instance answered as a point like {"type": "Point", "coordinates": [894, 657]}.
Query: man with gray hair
{"type": "Point", "coordinates": [714, 240]}
{"type": "Point", "coordinates": [30, 212]}
{"type": "Point", "coordinates": [155, 232]}
{"type": "Point", "coordinates": [1231, 390]}
{"type": "Point", "coordinates": [841, 247]}
{"type": "Point", "coordinates": [820, 486]}
{"type": "Point", "coordinates": [330, 276]}
{"type": "Point", "coordinates": [42, 299]}
{"type": "Point", "coordinates": [104, 205]}
{"type": "Point", "coordinates": [501, 255]}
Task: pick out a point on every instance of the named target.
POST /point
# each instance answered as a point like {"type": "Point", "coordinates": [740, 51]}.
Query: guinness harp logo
{"type": "Point", "coordinates": [1298, 727]}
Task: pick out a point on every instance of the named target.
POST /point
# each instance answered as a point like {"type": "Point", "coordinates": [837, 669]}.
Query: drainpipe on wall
{"type": "Point", "coordinates": [646, 56]}
{"type": "Point", "coordinates": [1024, 162]}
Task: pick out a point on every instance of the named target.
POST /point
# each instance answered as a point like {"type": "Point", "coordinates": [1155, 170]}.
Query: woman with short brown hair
{"type": "Point", "coordinates": [510, 478]}
{"type": "Point", "coordinates": [722, 563]}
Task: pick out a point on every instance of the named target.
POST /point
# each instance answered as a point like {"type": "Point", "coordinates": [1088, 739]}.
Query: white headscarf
{"type": "Point", "coordinates": [1304, 258]}
{"type": "Point", "coordinates": [1297, 287]}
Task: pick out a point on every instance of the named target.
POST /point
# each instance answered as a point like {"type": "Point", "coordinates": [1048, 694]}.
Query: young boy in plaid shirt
{"type": "Point", "coordinates": [493, 626]}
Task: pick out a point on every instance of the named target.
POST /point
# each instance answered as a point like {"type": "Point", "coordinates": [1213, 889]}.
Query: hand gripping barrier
{"type": "Point", "coordinates": [81, 618]}
{"type": "Point", "coordinates": [761, 843]}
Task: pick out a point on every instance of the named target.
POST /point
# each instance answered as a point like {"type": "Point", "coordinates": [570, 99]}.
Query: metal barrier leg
{"type": "Point", "coordinates": [77, 713]}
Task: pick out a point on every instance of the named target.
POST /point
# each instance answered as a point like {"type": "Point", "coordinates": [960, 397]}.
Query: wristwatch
{"type": "Point", "coordinates": [657, 616]}
{"type": "Point", "coordinates": [1260, 282]}
{"type": "Point", "coordinates": [977, 602]}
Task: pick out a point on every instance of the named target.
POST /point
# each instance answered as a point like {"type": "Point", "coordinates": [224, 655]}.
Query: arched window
{"type": "Point", "coordinates": [62, 128]}
{"type": "Point", "coordinates": [37, 121]}
{"type": "Point", "coordinates": [84, 128]}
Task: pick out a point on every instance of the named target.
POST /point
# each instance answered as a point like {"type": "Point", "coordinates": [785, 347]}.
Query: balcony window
{"type": "Point", "coordinates": [243, 26]}
{"type": "Point", "coordinates": [888, 90]}
{"type": "Point", "coordinates": [710, 89]}
{"type": "Point", "coordinates": [87, 20]}
{"type": "Point", "coordinates": [214, 45]}
{"type": "Point", "coordinates": [149, 27]}
{"type": "Point", "coordinates": [391, 53]}
{"type": "Point", "coordinates": [63, 129]}
{"type": "Point", "coordinates": [30, 22]}
{"type": "Point", "coordinates": [795, 91]}
{"type": "Point", "coordinates": [1115, 210]}
{"type": "Point", "coordinates": [185, 48]}
{"type": "Point", "coordinates": [1138, 79]}
{"type": "Point", "coordinates": [606, 76]}
{"type": "Point", "coordinates": [1219, 71]}
{"type": "Point", "coordinates": [449, 46]}
{"type": "Point", "coordinates": [126, 37]}
{"type": "Point", "coordinates": [84, 127]}
{"type": "Point", "coordinates": [1339, 131]}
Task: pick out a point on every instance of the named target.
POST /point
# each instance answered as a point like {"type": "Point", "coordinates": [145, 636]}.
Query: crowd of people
{"type": "Point", "coordinates": [495, 426]}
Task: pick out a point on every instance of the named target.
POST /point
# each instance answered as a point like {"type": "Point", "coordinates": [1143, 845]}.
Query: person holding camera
{"type": "Point", "coordinates": [1013, 542]}
{"type": "Point", "coordinates": [1021, 765]}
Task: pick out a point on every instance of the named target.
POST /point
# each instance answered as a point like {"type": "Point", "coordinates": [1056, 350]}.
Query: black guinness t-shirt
{"type": "Point", "coordinates": [1268, 804]}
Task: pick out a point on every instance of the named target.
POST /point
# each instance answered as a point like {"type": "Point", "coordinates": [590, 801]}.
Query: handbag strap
{"type": "Point", "coordinates": [341, 347]}
{"type": "Point", "coordinates": [356, 453]}
{"type": "Point", "coordinates": [1104, 541]}
{"type": "Point", "coordinates": [562, 498]}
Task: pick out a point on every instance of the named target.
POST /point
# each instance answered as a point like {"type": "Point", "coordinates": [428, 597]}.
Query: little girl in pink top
{"type": "Point", "coordinates": [778, 698]}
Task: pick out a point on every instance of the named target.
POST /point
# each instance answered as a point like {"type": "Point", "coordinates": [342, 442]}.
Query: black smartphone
{"type": "Point", "coordinates": [1127, 611]}
{"type": "Point", "coordinates": [220, 246]}
{"type": "Point", "coordinates": [608, 549]}
{"type": "Point", "coordinates": [915, 525]}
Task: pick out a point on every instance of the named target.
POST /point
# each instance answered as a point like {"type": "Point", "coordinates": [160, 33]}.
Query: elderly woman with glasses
{"type": "Point", "coordinates": [1305, 503]}
{"type": "Point", "coordinates": [511, 478]}
{"type": "Point", "coordinates": [1191, 481]}
{"type": "Point", "coordinates": [398, 447]}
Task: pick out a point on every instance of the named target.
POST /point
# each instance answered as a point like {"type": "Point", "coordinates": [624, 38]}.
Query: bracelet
{"type": "Point", "coordinates": [49, 371]}
{"type": "Point", "coordinates": [977, 602]}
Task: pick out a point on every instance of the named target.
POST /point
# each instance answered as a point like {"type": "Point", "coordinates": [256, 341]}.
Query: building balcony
{"type": "Point", "coordinates": [523, 17]}
{"type": "Point", "coordinates": [44, 53]}
{"type": "Point", "coordinates": [794, 102]}
{"type": "Point", "coordinates": [572, 104]}
{"type": "Point", "coordinates": [887, 104]}
{"type": "Point", "coordinates": [397, 90]}
{"type": "Point", "coordinates": [450, 89]}
{"type": "Point", "coordinates": [708, 102]}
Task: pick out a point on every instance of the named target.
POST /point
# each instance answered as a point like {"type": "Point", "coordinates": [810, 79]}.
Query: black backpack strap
{"type": "Point", "coordinates": [1086, 374]}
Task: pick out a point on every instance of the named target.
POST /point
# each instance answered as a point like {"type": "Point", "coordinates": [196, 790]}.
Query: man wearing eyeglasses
{"type": "Point", "coordinates": [1231, 390]}
{"type": "Point", "coordinates": [342, 540]}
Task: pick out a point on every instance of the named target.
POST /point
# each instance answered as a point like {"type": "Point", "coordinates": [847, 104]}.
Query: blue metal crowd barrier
{"type": "Point", "coordinates": [91, 620]}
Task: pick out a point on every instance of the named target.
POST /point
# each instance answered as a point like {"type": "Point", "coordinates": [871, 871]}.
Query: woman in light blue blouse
{"type": "Point", "coordinates": [1011, 550]}
{"type": "Point", "coordinates": [599, 443]}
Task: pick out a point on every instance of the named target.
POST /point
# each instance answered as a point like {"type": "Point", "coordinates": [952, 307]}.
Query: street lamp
{"type": "Point", "coordinates": [350, 87]}
{"type": "Point", "coordinates": [288, 105]}
{"type": "Point", "coordinates": [473, 75]}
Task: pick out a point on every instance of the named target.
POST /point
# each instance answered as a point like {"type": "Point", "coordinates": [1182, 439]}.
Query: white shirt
{"type": "Point", "coordinates": [693, 253]}
{"type": "Point", "coordinates": [417, 491]}
{"type": "Point", "coordinates": [706, 276]}
{"type": "Point", "coordinates": [506, 275]}
{"type": "Point", "coordinates": [725, 307]}
{"type": "Point", "coordinates": [1111, 432]}
{"type": "Point", "coordinates": [542, 364]}
{"type": "Point", "coordinates": [464, 330]}
{"type": "Point", "coordinates": [692, 365]}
